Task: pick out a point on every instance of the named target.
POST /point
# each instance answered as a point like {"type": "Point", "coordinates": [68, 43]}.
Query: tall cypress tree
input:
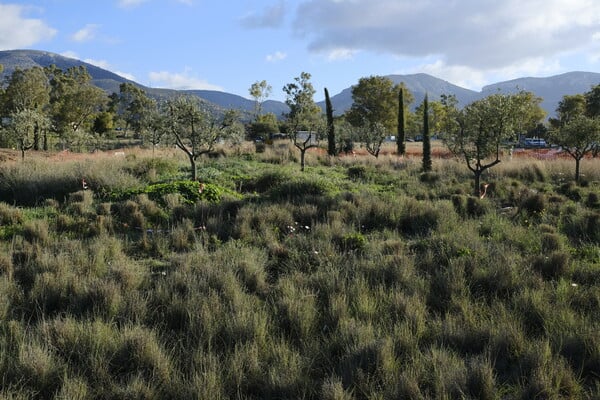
{"type": "Point", "coordinates": [401, 134]}
{"type": "Point", "coordinates": [330, 128]}
{"type": "Point", "coordinates": [426, 141]}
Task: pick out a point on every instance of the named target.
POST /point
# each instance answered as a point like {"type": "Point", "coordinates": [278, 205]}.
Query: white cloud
{"type": "Point", "coordinates": [70, 54]}
{"type": "Point", "coordinates": [98, 63]}
{"type": "Point", "coordinates": [275, 57]}
{"type": "Point", "coordinates": [86, 33]}
{"type": "Point", "coordinates": [466, 35]}
{"type": "Point", "coordinates": [18, 31]}
{"type": "Point", "coordinates": [270, 17]}
{"type": "Point", "coordinates": [180, 81]}
{"type": "Point", "coordinates": [130, 3]}
{"type": "Point", "coordinates": [475, 79]}
{"type": "Point", "coordinates": [106, 65]}
{"type": "Point", "coordinates": [462, 76]}
{"type": "Point", "coordinates": [341, 54]}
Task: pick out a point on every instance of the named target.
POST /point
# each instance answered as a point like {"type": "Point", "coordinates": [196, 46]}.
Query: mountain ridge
{"type": "Point", "coordinates": [551, 89]}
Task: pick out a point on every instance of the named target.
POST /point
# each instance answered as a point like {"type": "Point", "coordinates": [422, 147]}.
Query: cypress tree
{"type": "Point", "coordinates": [401, 134]}
{"type": "Point", "coordinates": [330, 128]}
{"type": "Point", "coordinates": [426, 141]}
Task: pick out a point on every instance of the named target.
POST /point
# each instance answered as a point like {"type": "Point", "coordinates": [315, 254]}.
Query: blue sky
{"type": "Point", "coordinates": [228, 45]}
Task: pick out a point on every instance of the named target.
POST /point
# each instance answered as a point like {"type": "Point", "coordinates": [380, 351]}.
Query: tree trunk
{"type": "Point", "coordinates": [477, 178]}
{"type": "Point", "coordinates": [302, 153]}
{"type": "Point", "coordinates": [36, 138]}
{"type": "Point", "coordinates": [426, 140]}
{"type": "Point", "coordinates": [45, 140]}
{"type": "Point", "coordinates": [193, 166]}
{"type": "Point", "coordinates": [400, 136]}
{"type": "Point", "coordinates": [22, 143]}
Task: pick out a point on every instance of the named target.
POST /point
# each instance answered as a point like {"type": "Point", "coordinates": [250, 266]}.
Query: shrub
{"type": "Point", "coordinates": [6, 266]}
{"type": "Point", "coordinates": [183, 236]}
{"type": "Point", "coordinates": [582, 351]}
{"type": "Point", "coordinates": [299, 189]}
{"type": "Point", "coordinates": [139, 352]}
{"type": "Point", "coordinates": [581, 226]}
{"type": "Point", "coordinates": [39, 368]}
{"type": "Point", "coordinates": [551, 242]}
{"type": "Point", "coordinates": [476, 207]}
{"type": "Point", "coordinates": [429, 177]}
{"type": "Point", "coordinates": [82, 196]}
{"type": "Point", "coordinates": [152, 169]}
{"type": "Point", "coordinates": [530, 172]}
{"type": "Point", "coordinates": [534, 203]}
{"type": "Point", "coordinates": [266, 181]}
{"type": "Point", "coordinates": [481, 379]}
{"type": "Point", "coordinates": [10, 215]}
{"type": "Point", "coordinates": [418, 218]}
{"type": "Point", "coordinates": [570, 190]}
{"type": "Point", "coordinates": [357, 172]}
{"type": "Point", "coordinates": [592, 200]}
{"type": "Point", "coordinates": [353, 242]}
{"type": "Point", "coordinates": [36, 231]}
{"type": "Point", "coordinates": [459, 201]}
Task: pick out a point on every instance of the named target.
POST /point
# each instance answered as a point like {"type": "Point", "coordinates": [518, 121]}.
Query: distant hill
{"type": "Point", "coordinates": [23, 59]}
{"type": "Point", "coordinates": [228, 101]}
{"type": "Point", "coordinates": [551, 89]}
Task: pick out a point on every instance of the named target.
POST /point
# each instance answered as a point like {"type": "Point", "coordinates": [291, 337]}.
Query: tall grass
{"type": "Point", "coordinates": [360, 278]}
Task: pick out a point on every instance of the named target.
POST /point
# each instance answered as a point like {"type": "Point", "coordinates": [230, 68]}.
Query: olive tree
{"type": "Point", "coordinates": [75, 101]}
{"type": "Point", "coordinates": [304, 118]}
{"type": "Point", "coordinates": [375, 110]}
{"type": "Point", "coordinates": [28, 93]}
{"type": "Point", "coordinates": [196, 131]}
{"type": "Point", "coordinates": [260, 91]}
{"type": "Point", "coordinates": [578, 137]}
{"type": "Point", "coordinates": [476, 132]}
{"type": "Point", "coordinates": [22, 128]}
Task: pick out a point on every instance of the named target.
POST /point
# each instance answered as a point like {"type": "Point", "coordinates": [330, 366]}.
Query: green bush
{"type": "Point", "coordinates": [553, 265]}
{"type": "Point", "coordinates": [357, 172]}
{"type": "Point", "coordinates": [353, 242]}
{"type": "Point", "coordinates": [418, 218]}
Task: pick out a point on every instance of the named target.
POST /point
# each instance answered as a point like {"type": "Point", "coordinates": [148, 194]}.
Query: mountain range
{"type": "Point", "coordinates": [550, 89]}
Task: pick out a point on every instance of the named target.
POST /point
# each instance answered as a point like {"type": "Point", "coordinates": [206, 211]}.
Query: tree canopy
{"type": "Point", "coordinates": [260, 91]}
{"type": "Point", "coordinates": [304, 119]}
{"type": "Point", "coordinates": [477, 132]}
{"type": "Point", "coordinates": [374, 110]}
{"type": "Point", "coordinates": [577, 128]}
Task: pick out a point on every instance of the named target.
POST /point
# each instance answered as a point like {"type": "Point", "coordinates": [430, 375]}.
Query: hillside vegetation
{"type": "Point", "coordinates": [360, 278]}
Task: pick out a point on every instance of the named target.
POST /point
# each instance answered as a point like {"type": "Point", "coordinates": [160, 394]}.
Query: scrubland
{"type": "Point", "coordinates": [360, 278]}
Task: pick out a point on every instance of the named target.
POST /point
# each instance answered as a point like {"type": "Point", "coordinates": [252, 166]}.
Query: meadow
{"type": "Point", "coordinates": [359, 278]}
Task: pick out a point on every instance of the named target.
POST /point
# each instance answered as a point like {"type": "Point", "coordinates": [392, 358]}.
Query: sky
{"type": "Point", "coordinates": [228, 45]}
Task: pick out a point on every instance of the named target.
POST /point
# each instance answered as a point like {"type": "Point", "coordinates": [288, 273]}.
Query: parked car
{"type": "Point", "coordinates": [534, 143]}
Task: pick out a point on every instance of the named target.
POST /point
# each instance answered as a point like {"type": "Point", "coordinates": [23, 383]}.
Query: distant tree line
{"type": "Point", "coordinates": [48, 108]}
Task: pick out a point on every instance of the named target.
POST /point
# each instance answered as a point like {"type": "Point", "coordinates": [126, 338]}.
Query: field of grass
{"type": "Point", "coordinates": [360, 278]}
